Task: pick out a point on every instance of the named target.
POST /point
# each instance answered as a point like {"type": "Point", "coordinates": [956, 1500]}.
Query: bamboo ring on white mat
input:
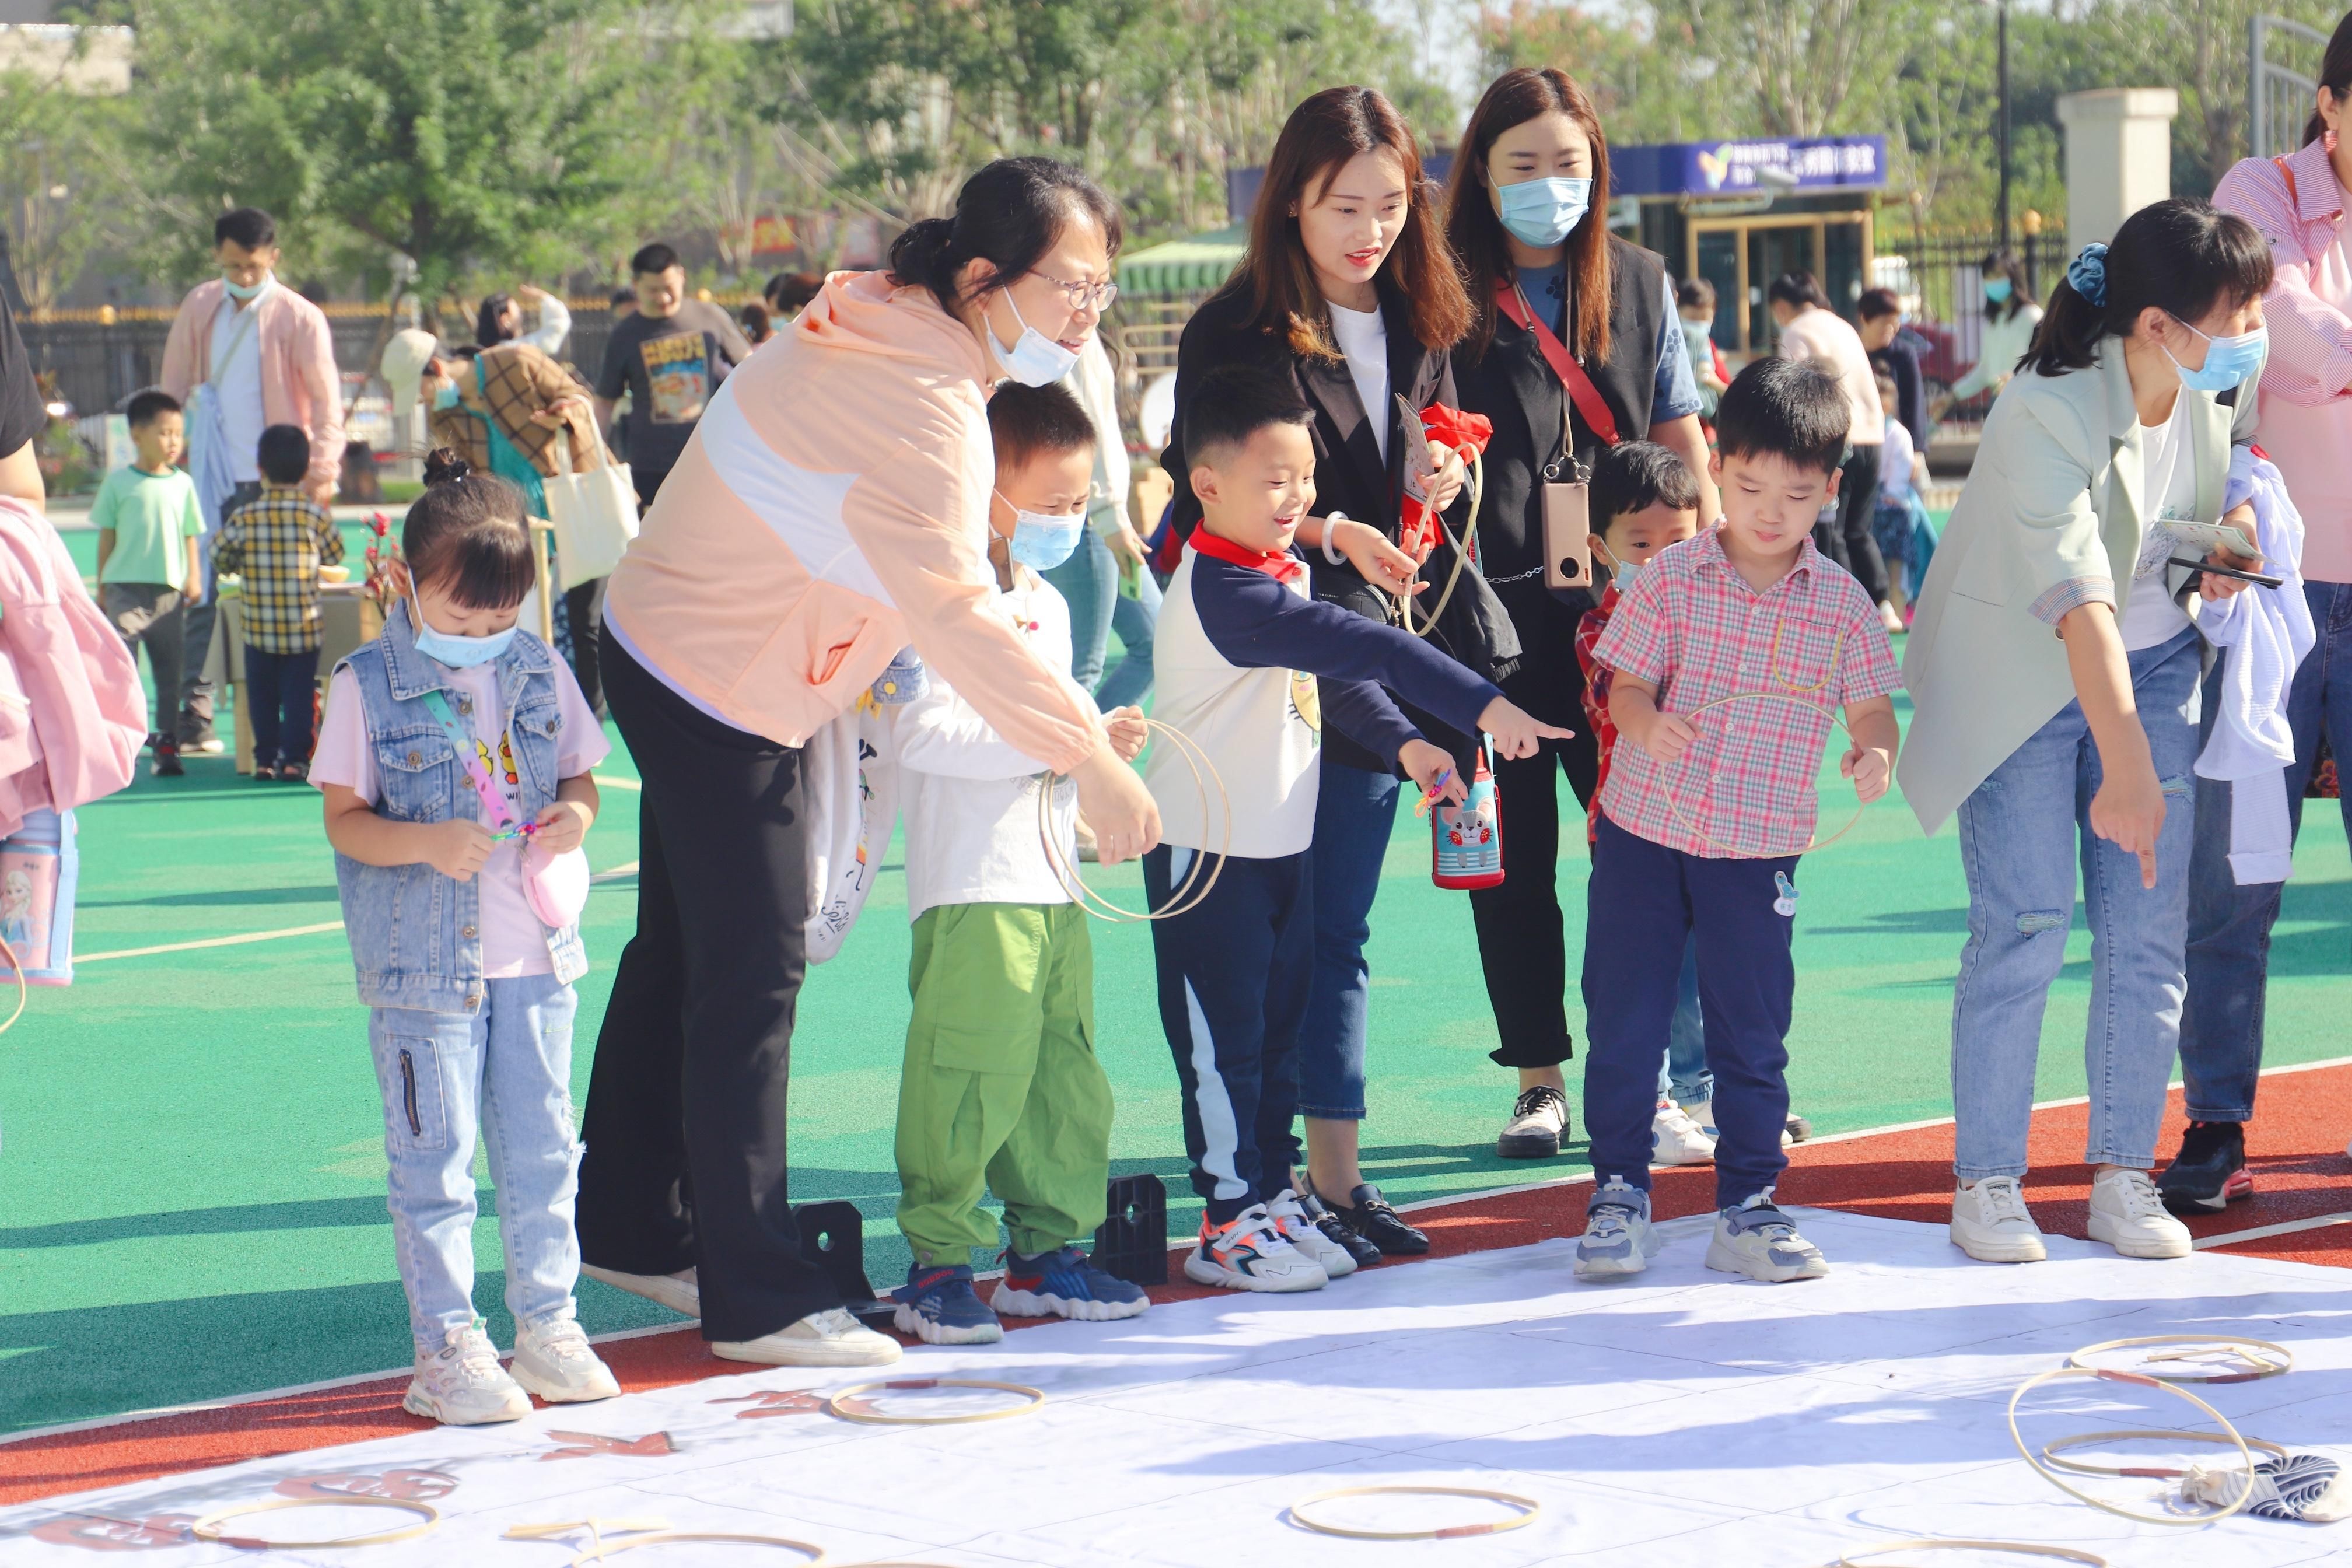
{"type": "Point", "coordinates": [1181, 898]}
{"type": "Point", "coordinates": [1686, 820]}
{"type": "Point", "coordinates": [1528, 1507]}
{"type": "Point", "coordinates": [2084, 1467]}
{"type": "Point", "coordinates": [2139, 1380]}
{"type": "Point", "coordinates": [598, 1553]}
{"type": "Point", "coordinates": [2263, 1368]}
{"type": "Point", "coordinates": [2063, 1553]}
{"type": "Point", "coordinates": [842, 1402]}
{"type": "Point", "coordinates": [209, 1527]}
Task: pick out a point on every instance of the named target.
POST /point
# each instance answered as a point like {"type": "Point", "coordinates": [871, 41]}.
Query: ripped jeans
{"type": "Point", "coordinates": [506, 1075]}
{"type": "Point", "coordinates": [2023, 832]}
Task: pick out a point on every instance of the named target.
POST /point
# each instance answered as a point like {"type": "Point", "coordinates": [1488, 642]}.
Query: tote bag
{"type": "Point", "coordinates": [595, 513]}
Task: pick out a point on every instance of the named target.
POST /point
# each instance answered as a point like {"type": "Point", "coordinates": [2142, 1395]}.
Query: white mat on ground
{"type": "Point", "coordinates": [1686, 1416]}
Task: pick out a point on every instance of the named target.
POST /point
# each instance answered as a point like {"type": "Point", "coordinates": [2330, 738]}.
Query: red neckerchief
{"type": "Point", "coordinates": [1278, 564]}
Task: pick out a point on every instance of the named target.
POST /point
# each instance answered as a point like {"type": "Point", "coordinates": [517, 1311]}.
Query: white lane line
{"type": "Point", "coordinates": [2264, 1232]}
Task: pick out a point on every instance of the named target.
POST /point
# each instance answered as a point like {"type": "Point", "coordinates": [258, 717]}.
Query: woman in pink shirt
{"type": "Point", "coordinates": [2298, 203]}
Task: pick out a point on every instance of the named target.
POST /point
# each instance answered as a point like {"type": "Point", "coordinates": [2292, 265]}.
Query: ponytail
{"type": "Point", "coordinates": [2182, 256]}
{"type": "Point", "coordinates": [1008, 214]}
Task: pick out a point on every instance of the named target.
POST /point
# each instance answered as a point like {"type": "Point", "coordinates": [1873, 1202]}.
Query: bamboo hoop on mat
{"type": "Point", "coordinates": [1184, 898]}
{"type": "Point", "coordinates": [604, 1549]}
{"type": "Point", "coordinates": [24, 993]}
{"type": "Point", "coordinates": [841, 1404]}
{"type": "Point", "coordinates": [2140, 1379]}
{"type": "Point", "coordinates": [1686, 820]}
{"type": "Point", "coordinates": [2084, 1467]}
{"type": "Point", "coordinates": [594, 1527]}
{"type": "Point", "coordinates": [2263, 1369]}
{"type": "Point", "coordinates": [1528, 1507]}
{"type": "Point", "coordinates": [209, 1527]}
{"type": "Point", "coordinates": [1461, 554]}
{"type": "Point", "coordinates": [2063, 1553]}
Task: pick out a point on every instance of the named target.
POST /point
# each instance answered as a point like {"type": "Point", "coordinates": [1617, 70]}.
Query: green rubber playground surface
{"type": "Point", "coordinates": [191, 1142]}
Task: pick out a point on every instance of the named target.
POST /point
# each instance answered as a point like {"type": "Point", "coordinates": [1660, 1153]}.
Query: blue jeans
{"type": "Point", "coordinates": [2230, 926]}
{"type": "Point", "coordinates": [283, 689]}
{"type": "Point", "coordinates": [1135, 620]}
{"type": "Point", "coordinates": [1685, 1077]}
{"type": "Point", "coordinates": [1088, 582]}
{"type": "Point", "coordinates": [2022, 833]}
{"type": "Point", "coordinates": [1355, 812]}
{"type": "Point", "coordinates": [507, 1074]}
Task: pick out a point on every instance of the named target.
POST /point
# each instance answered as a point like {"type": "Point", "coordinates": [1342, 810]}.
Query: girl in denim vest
{"type": "Point", "coordinates": [455, 761]}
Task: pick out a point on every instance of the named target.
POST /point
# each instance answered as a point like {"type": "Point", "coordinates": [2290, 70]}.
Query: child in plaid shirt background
{"type": "Point", "coordinates": [277, 542]}
{"type": "Point", "coordinates": [1701, 823]}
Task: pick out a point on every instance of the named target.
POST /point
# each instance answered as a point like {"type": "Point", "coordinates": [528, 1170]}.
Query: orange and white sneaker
{"type": "Point", "coordinates": [1249, 1252]}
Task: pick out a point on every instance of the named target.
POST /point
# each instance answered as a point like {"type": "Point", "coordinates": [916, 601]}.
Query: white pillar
{"type": "Point", "coordinates": [2118, 156]}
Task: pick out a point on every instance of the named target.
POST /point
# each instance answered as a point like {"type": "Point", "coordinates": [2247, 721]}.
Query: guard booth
{"type": "Point", "coordinates": [1739, 214]}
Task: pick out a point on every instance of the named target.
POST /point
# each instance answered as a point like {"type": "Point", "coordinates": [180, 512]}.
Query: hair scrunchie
{"type": "Point", "coordinates": [2087, 275]}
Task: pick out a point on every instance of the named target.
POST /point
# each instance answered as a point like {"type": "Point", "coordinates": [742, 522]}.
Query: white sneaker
{"type": "Point", "coordinates": [680, 1292]}
{"type": "Point", "coordinates": [1304, 1234]}
{"type": "Point", "coordinates": [1618, 1239]}
{"type": "Point", "coordinates": [1757, 1239]}
{"type": "Point", "coordinates": [1795, 1131]}
{"type": "Point", "coordinates": [2127, 1213]}
{"type": "Point", "coordinates": [1249, 1252]}
{"type": "Point", "coordinates": [1677, 1140]}
{"type": "Point", "coordinates": [830, 1338]}
{"type": "Point", "coordinates": [462, 1384]}
{"type": "Point", "coordinates": [1991, 1223]}
{"type": "Point", "coordinates": [1538, 1118]}
{"type": "Point", "coordinates": [553, 1360]}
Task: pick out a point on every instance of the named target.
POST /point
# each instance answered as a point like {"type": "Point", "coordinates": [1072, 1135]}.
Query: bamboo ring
{"type": "Point", "coordinates": [603, 1548]}
{"type": "Point", "coordinates": [2139, 1380]}
{"type": "Point", "coordinates": [2084, 1468]}
{"type": "Point", "coordinates": [2063, 1553]}
{"type": "Point", "coordinates": [209, 1527]}
{"type": "Point", "coordinates": [847, 1404]}
{"type": "Point", "coordinates": [1686, 820]}
{"type": "Point", "coordinates": [1528, 1507]}
{"type": "Point", "coordinates": [2263, 1368]}
{"type": "Point", "coordinates": [23, 994]}
{"type": "Point", "coordinates": [1184, 897]}
{"type": "Point", "coordinates": [1461, 549]}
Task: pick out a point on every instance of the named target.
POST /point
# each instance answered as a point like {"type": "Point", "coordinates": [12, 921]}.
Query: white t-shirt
{"type": "Point", "coordinates": [969, 800]}
{"type": "Point", "coordinates": [1363, 337]}
{"type": "Point", "coordinates": [1894, 462]}
{"type": "Point", "coordinates": [2168, 493]}
{"type": "Point", "coordinates": [236, 383]}
{"type": "Point", "coordinates": [513, 943]}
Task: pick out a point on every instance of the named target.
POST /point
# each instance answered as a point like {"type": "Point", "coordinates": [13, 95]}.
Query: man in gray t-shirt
{"type": "Point", "coordinates": [669, 356]}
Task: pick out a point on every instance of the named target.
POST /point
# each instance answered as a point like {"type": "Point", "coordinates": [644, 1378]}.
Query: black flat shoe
{"type": "Point", "coordinates": [1354, 1246]}
{"type": "Point", "coordinates": [1370, 1216]}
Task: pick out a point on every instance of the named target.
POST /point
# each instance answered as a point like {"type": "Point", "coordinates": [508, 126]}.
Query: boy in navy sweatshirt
{"type": "Point", "coordinates": [1239, 650]}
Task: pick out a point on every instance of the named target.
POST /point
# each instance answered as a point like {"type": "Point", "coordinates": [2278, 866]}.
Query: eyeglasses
{"type": "Point", "coordinates": [1094, 296]}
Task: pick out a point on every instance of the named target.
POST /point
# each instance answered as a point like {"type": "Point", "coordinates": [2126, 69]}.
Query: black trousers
{"type": "Point", "coordinates": [1847, 538]}
{"type": "Point", "coordinates": [1522, 946]}
{"type": "Point", "coordinates": [686, 1117]}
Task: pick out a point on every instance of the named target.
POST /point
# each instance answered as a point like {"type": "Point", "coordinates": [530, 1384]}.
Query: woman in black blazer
{"type": "Point", "coordinates": [1347, 290]}
{"type": "Point", "coordinates": [1533, 149]}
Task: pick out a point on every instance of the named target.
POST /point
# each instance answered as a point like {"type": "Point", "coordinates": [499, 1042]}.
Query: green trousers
{"type": "Point", "coordinates": [1001, 1088]}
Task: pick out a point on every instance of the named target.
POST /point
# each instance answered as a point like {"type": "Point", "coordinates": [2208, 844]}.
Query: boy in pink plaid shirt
{"type": "Point", "coordinates": [1707, 806]}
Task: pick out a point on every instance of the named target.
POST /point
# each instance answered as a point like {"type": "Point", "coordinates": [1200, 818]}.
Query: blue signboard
{"type": "Point", "coordinates": [1764, 167]}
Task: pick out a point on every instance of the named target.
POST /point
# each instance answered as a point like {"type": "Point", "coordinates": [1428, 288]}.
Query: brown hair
{"type": "Point", "coordinates": [1476, 232]}
{"type": "Point", "coordinates": [1274, 275]}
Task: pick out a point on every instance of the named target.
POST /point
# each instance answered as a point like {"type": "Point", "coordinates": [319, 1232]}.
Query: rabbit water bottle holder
{"type": "Point", "coordinates": [1466, 841]}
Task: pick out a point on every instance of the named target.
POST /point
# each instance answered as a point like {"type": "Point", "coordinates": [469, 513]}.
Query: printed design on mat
{"type": "Point", "coordinates": [401, 1486]}
{"type": "Point", "coordinates": [776, 1402]}
{"type": "Point", "coordinates": [98, 1532]}
{"type": "Point", "coordinates": [596, 1445]}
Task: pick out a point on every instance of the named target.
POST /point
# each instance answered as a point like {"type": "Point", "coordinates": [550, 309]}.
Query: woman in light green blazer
{"type": "Point", "coordinates": [2053, 671]}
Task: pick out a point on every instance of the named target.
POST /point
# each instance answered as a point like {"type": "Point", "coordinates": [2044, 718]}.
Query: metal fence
{"type": "Point", "coordinates": [1940, 280]}
{"type": "Point", "coordinates": [2281, 71]}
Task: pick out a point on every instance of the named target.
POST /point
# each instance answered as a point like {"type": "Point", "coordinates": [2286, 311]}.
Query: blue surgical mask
{"type": "Point", "coordinates": [1040, 542]}
{"type": "Point", "coordinates": [1997, 290]}
{"type": "Point", "coordinates": [1541, 212]}
{"type": "Point", "coordinates": [446, 398]}
{"type": "Point", "coordinates": [456, 652]}
{"type": "Point", "coordinates": [1621, 573]}
{"type": "Point", "coordinates": [2228, 360]}
{"type": "Point", "coordinates": [240, 291]}
{"type": "Point", "coordinates": [1036, 360]}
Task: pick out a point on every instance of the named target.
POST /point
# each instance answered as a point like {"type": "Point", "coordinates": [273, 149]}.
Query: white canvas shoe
{"type": "Point", "coordinates": [1677, 1140]}
{"type": "Point", "coordinates": [1539, 1117]}
{"type": "Point", "coordinates": [462, 1384]}
{"type": "Point", "coordinates": [1290, 1218]}
{"type": "Point", "coordinates": [681, 1293]}
{"type": "Point", "coordinates": [830, 1338]}
{"type": "Point", "coordinates": [2129, 1213]}
{"type": "Point", "coordinates": [554, 1360]}
{"type": "Point", "coordinates": [1991, 1223]}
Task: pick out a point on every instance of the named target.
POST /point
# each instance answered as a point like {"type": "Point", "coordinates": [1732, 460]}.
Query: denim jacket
{"type": "Point", "coordinates": [415, 933]}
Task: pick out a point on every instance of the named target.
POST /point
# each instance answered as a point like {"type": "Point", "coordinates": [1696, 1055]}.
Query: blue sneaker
{"type": "Point", "coordinates": [1618, 1239]}
{"type": "Point", "coordinates": [937, 1305]}
{"type": "Point", "coordinates": [1064, 1284]}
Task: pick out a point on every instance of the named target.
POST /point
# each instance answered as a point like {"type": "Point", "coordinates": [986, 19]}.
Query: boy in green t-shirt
{"type": "Point", "coordinates": [148, 524]}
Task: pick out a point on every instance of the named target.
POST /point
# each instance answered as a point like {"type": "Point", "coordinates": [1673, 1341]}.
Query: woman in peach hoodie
{"type": "Point", "coordinates": [830, 508]}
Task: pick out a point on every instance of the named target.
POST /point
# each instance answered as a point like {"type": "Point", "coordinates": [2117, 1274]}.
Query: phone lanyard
{"type": "Point", "coordinates": [475, 758]}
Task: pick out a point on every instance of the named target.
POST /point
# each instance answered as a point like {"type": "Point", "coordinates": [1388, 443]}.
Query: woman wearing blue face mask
{"type": "Point", "coordinates": [1527, 213]}
{"type": "Point", "coordinates": [2080, 748]}
{"type": "Point", "coordinates": [2010, 318]}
